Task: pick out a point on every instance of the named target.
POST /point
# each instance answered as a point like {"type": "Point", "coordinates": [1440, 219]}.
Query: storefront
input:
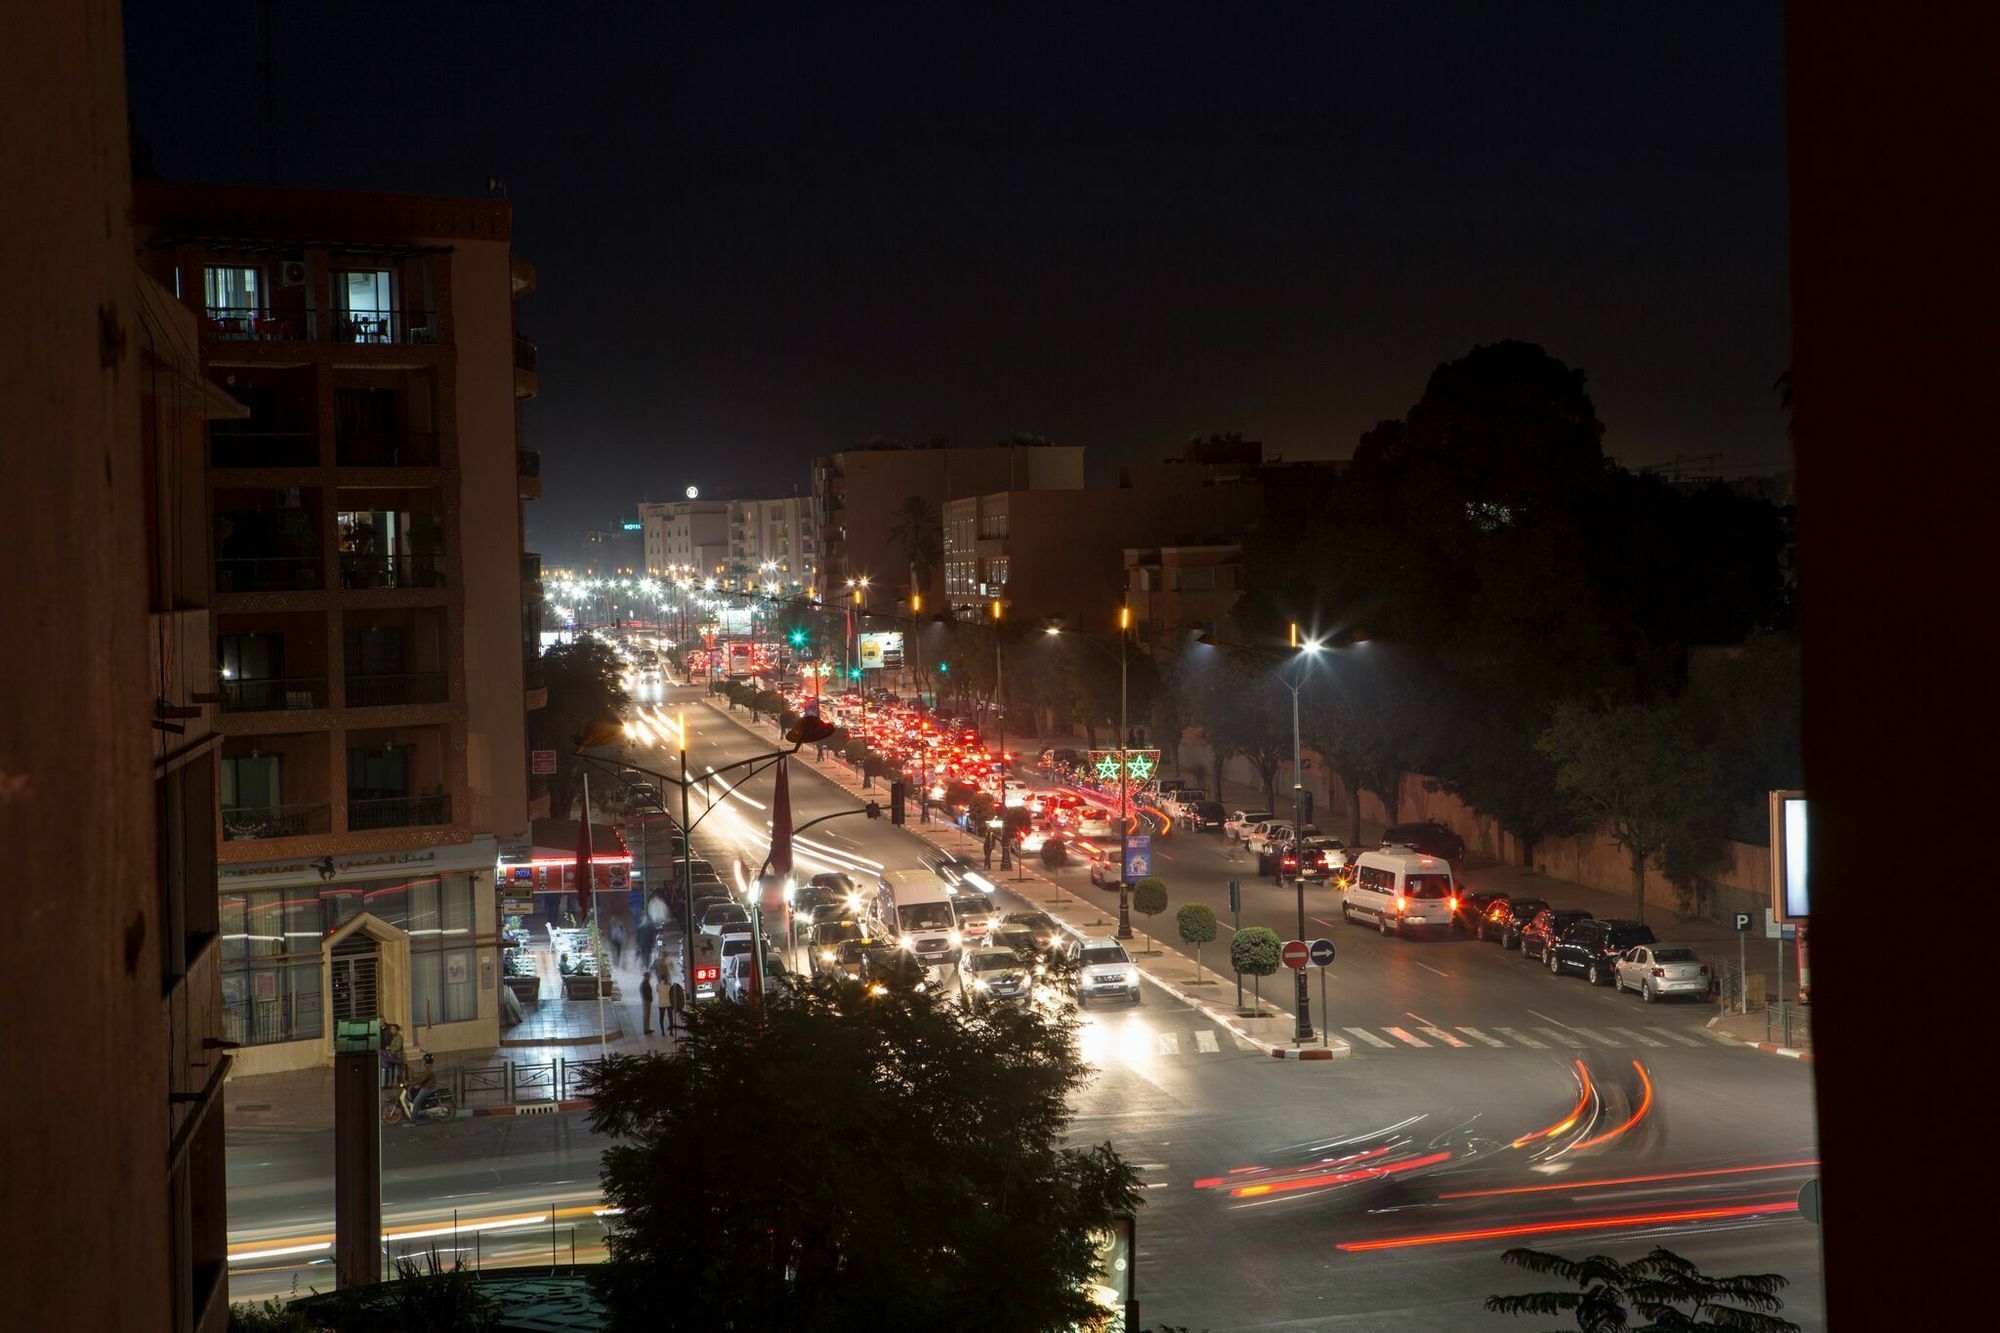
{"type": "Point", "coordinates": [409, 937]}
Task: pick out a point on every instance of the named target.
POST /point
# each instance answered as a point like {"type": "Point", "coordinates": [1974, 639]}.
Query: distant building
{"type": "Point", "coordinates": [373, 611]}
{"type": "Point", "coordinates": [1176, 592]}
{"type": "Point", "coordinates": [858, 493]}
{"type": "Point", "coordinates": [688, 537]}
{"type": "Point", "coordinates": [613, 552]}
{"type": "Point", "coordinates": [758, 542]}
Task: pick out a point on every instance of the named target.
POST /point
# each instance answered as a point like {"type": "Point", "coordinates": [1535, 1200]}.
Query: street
{"type": "Point", "coordinates": [1578, 1119]}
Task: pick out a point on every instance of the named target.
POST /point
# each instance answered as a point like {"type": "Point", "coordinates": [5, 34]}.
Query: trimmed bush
{"type": "Point", "coordinates": [1149, 899]}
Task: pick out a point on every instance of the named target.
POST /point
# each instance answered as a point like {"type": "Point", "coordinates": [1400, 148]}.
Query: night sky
{"type": "Point", "coordinates": [764, 233]}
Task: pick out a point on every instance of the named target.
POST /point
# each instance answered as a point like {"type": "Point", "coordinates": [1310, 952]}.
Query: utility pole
{"type": "Point", "coordinates": [1303, 1032]}
{"type": "Point", "coordinates": [1124, 782]}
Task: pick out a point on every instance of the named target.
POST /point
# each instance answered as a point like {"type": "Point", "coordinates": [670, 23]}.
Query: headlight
{"type": "Point", "coordinates": [909, 943]}
{"type": "Point", "coordinates": [826, 955]}
{"type": "Point", "coordinates": [979, 985]}
{"type": "Point", "coordinates": [956, 939]}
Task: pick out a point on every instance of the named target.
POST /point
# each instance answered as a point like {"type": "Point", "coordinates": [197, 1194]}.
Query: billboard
{"type": "Point", "coordinates": [1789, 870]}
{"type": "Point", "coordinates": [881, 650]}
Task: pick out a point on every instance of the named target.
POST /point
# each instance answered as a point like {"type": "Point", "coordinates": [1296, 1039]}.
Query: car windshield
{"type": "Point", "coordinates": [1428, 886]}
{"type": "Point", "coordinates": [925, 916]}
{"type": "Point", "coordinates": [1102, 954]}
{"type": "Point", "coordinates": [993, 960]}
{"type": "Point", "coordinates": [1015, 937]}
{"type": "Point", "coordinates": [735, 944]}
{"type": "Point", "coordinates": [835, 931]}
{"type": "Point", "coordinates": [1525, 909]}
{"type": "Point", "coordinates": [1675, 956]}
{"type": "Point", "coordinates": [1032, 920]}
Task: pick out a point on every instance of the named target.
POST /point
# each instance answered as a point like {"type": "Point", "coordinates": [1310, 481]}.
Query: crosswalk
{"type": "Point", "coordinates": [1113, 1043]}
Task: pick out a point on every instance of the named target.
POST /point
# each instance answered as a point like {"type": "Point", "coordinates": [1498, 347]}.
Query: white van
{"type": "Point", "coordinates": [913, 908]}
{"type": "Point", "coordinates": [1403, 890]}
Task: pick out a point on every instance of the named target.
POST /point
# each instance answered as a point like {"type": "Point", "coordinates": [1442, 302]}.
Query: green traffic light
{"type": "Point", "coordinates": [944, 668]}
{"type": "Point", "coordinates": [798, 637]}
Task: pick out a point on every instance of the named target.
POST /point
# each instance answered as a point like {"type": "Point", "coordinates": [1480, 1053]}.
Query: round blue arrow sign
{"type": "Point", "coordinates": [1321, 952]}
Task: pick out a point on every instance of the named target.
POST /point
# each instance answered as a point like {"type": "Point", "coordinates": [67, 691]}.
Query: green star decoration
{"type": "Point", "coordinates": [1140, 767]}
{"type": "Point", "coordinates": [1107, 767]}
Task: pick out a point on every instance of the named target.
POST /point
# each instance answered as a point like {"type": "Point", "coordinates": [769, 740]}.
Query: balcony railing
{"type": "Point", "coordinates": [255, 324]}
{"type": "Point", "coordinates": [392, 571]}
{"type": "Point", "coordinates": [383, 327]}
{"type": "Point", "coordinates": [267, 573]}
{"type": "Point", "coordinates": [399, 811]}
{"type": "Point", "coordinates": [527, 462]}
{"type": "Point", "coordinates": [263, 448]}
{"type": "Point", "coordinates": [525, 353]}
{"type": "Point", "coordinates": [386, 449]}
{"type": "Point", "coordinates": [273, 694]}
{"type": "Point", "coordinates": [244, 822]}
{"type": "Point", "coordinates": [413, 687]}
{"type": "Point", "coordinates": [239, 323]}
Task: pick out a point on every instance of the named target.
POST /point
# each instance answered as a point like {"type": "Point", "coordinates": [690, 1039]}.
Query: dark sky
{"type": "Point", "coordinates": [763, 233]}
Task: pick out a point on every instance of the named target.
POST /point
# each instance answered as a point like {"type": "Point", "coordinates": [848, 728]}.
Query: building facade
{"type": "Point", "coordinates": [1177, 592]}
{"type": "Point", "coordinates": [371, 605]}
{"type": "Point", "coordinates": [755, 542]}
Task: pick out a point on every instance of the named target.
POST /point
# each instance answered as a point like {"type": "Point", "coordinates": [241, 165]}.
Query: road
{"type": "Point", "coordinates": [1257, 1170]}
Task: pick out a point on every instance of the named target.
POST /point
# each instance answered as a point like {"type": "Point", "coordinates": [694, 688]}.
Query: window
{"type": "Point", "coordinates": [378, 773]}
{"type": "Point", "coordinates": [232, 291]}
{"type": "Point", "coordinates": [1428, 886]}
{"type": "Point", "coordinates": [1195, 578]}
{"type": "Point", "coordinates": [362, 292]}
{"type": "Point", "coordinates": [250, 782]}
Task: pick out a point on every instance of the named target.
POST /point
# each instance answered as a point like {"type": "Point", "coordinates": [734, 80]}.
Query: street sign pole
{"type": "Point", "coordinates": [1236, 912]}
{"type": "Point", "coordinates": [1322, 1006]}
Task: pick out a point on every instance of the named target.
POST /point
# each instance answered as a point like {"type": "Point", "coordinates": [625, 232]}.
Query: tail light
{"type": "Point", "coordinates": [1401, 902]}
{"type": "Point", "coordinates": [1452, 904]}
{"type": "Point", "coordinates": [1659, 971]}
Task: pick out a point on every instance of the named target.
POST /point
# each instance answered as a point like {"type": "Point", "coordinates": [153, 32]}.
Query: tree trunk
{"type": "Point", "coordinates": [1353, 812]}
{"type": "Point", "coordinates": [1638, 885]}
{"type": "Point", "coordinates": [1270, 776]}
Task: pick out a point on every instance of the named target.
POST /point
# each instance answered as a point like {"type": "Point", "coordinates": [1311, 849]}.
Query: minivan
{"type": "Point", "coordinates": [1403, 890]}
{"type": "Point", "coordinates": [913, 909]}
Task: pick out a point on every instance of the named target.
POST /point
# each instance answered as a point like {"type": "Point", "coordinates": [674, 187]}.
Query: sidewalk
{"type": "Point", "coordinates": [1768, 1030]}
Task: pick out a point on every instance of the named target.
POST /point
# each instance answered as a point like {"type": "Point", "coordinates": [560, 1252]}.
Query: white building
{"type": "Point", "coordinates": [758, 541]}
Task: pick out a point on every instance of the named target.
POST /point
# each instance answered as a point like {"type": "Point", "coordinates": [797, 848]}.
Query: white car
{"type": "Point", "coordinates": [1017, 791]}
{"type": "Point", "coordinates": [1181, 805]}
{"type": "Point", "coordinates": [1106, 971]}
{"type": "Point", "coordinates": [1659, 970]}
{"type": "Point", "coordinates": [1268, 836]}
{"type": "Point", "coordinates": [1240, 822]}
{"type": "Point", "coordinates": [1096, 826]}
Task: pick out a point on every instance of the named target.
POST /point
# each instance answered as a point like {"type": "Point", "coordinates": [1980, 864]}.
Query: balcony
{"type": "Point", "coordinates": [398, 811]}
{"type": "Point", "coordinates": [383, 328]}
{"type": "Point", "coordinates": [237, 323]}
{"type": "Point", "coordinates": [388, 691]}
{"type": "Point", "coordinates": [528, 472]}
{"type": "Point", "coordinates": [391, 571]}
{"type": "Point", "coordinates": [246, 823]}
{"type": "Point", "coordinates": [526, 385]}
{"type": "Point", "coordinates": [273, 695]}
{"type": "Point", "coordinates": [531, 567]}
{"type": "Point", "coordinates": [268, 573]}
{"type": "Point", "coordinates": [387, 449]}
{"type": "Point", "coordinates": [267, 448]}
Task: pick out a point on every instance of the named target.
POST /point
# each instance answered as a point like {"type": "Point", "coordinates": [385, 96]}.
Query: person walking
{"type": "Point", "coordinates": [676, 1008]}
{"type": "Point", "coordinates": [646, 1000]}
{"type": "Point", "coordinates": [618, 944]}
{"type": "Point", "coordinates": [661, 991]}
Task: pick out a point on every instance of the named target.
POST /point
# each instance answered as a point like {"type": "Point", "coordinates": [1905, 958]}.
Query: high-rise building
{"type": "Point", "coordinates": [746, 542]}
{"type": "Point", "coordinates": [371, 609]}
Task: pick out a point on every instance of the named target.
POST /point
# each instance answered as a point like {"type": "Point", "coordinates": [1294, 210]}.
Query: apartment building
{"type": "Point", "coordinates": [372, 609]}
{"type": "Point", "coordinates": [860, 495]}
{"type": "Point", "coordinates": [744, 541]}
{"type": "Point", "coordinates": [690, 536]}
{"type": "Point", "coordinates": [1177, 592]}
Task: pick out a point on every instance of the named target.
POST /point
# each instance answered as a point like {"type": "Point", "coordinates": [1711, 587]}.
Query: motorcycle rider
{"type": "Point", "coordinates": [425, 1085]}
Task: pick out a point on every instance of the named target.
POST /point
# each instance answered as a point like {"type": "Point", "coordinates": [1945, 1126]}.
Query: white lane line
{"type": "Point", "coordinates": [1427, 967]}
{"type": "Point", "coordinates": [1401, 1035]}
{"type": "Point", "coordinates": [1170, 1043]}
{"type": "Point", "coordinates": [1443, 1036]}
{"type": "Point", "coordinates": [1641, 1038]}
{"type": "Point", "coordinates": [1322, 920]}
{"type": "Point", "coordinates": [1204, 1041]}
{"type": "Point", "coordinates": [1560, 1038]}
{"type": "Point", "coordinates": [1369, 1037]}
{"type": "Point", "coordinates": [1244, 1043]}
{"type": "Point", "coordinates": [1477, 1035]}
{"type": "Point", "coordinates": [1596, 1036]}
{"type": "Point", "coordinates": [1512, 1034]}
{"type": "Point", "coordinates": [1718, 1037]}
{"type": "Point", "coordinates": [1672, 1035]}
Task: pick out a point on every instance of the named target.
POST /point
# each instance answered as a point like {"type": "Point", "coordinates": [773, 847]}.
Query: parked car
{"type": "Point", "coordinates": [992, 974]}
{"type": "Point", "coordinates": [1207, 815]}
{"type": "Point", "coordinates": [725, 919]}
{"type": "Point", "coordinates": [1240, 822]}
{"type": "Point", "coordinates": [1104, 970]}
{"type": "Point", "coordinates": [1471, 910]}
{"type": "Point", "coordinates": [1256, 835]}
{"type": "Point", "coordinates": [736, 976]}
{"type": "Point", "coordinates": [1541, 933]}
{"type": "Point", "coordinates": [1506, 919]}
{"type": "Point", "coordinates": [1427, 836]}
{"type": "Point", "coordinates": [1657, 971]}
{"type": "Point", "coordinates": [1592, 947]}
{"type": "Point", "coordinates": [1320, 858]}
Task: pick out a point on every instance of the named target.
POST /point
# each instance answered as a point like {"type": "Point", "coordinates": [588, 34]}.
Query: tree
{"type": "Point", "coordinates": [1253, 951]}
{"type": "Point", "coordinates": [1149, 899]}
{"type": "Point", "coordinates": [1055, 855]}
{"type": "Point", "coordinates": [1636, 771]}
{"type": "Point", "coordinates": [1243, 711]}
{"type": "Point", "coordinates": [1197, 926]}
{"type": "Point", "coordinates": [939, 1167]}
{"type": "Point", "coordinates": [917, 528]}
{"type": "Point", "coordinates": [1666, 1290]}
{"type": "Point", "coordinates": [583, 682]}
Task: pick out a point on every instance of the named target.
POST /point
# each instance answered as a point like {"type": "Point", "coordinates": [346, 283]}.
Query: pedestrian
{"type": "Point", "coordinates": [646, 1000]}
{"type": "Point", "coordinates": [644, 936]}
{"type": "Point", "coordinates": [618, 944]}
{"type": "Point", "coordinates": [661, 991]}
{"type": "Point", "coordinates": [394, 1068]}
{"type": "Point", "coordinates": [676, 1008]}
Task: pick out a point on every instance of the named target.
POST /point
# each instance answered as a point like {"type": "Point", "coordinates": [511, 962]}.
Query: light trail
{"type": "Point", "coordinates": [1572, 1225]}
{"type": "Point", "coordinates": [1629, 1180]}
{"type": "Point", "coordinates": [1639, 1113]}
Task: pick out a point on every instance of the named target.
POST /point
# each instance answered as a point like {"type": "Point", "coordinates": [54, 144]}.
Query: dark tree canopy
{"type": "Point", "coordinates": [583, 684]}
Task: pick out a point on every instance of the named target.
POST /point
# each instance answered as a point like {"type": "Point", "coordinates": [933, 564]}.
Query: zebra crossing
{"type": "Point", "coordinates": [1413, 1036]}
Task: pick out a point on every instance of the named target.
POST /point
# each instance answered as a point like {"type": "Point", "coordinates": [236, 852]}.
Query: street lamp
{"type": "Point", "coordinates": [1124, 785]}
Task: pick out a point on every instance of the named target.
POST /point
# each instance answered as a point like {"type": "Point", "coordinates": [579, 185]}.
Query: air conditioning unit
{"type": "Point", "coordinates": [292, 273]}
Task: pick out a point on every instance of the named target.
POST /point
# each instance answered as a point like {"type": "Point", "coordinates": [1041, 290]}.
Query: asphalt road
{"type": "Point", "coordinates": [1634, 1128]}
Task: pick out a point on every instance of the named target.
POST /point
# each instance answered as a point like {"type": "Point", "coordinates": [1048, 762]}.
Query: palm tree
{"type": "Point", "coordinates": [920, 532]}
{"type": "Point", "coordinates": [1656, 1288]}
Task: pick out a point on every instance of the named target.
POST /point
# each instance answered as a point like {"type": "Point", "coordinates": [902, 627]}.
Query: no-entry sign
{"type": "Point", "coordinates": [1296, 953]}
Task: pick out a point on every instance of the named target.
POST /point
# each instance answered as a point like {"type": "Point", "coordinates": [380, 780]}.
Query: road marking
{"type": "Point", "coordinates": [1596, 1036]}
{"type": "Point", "coordinates": [1560, 1038]}
{"type": "Point", "coordinates": [1204, 1041]}
{"type": "Point", "coordinates": [1641, 1038]}
{"type": "Point", "coordinates": [1477, 1035]}
{"type": "Point", "coordinates": [1523, 1038]}
{"type": "Point", "coordinates": [1226, 926]}
{"type": "Point", "coordinates": [1673, 1035]}
{"type": "Point", "coordinates": [1170, 1043]}
{"type": "Point", "coordinates": [1244, 1043]}
{"type": "Point", "coordinates": [1324, 922]}
{"type": "Point", "coordinates": [1428, 968]}
{"type": "Point", "coordinates": [1443, 1036]}
{"type": "Point", "coordinates": [1718, 1037]}
{"type": "Point", "coordinates": [1401, 1035]}
{"type": "Point", "coordinates": [1369, 1037]}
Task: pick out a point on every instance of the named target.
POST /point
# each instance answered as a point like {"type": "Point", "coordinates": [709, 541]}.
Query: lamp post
{"type": "Point", "coordinates": [1124, 778]}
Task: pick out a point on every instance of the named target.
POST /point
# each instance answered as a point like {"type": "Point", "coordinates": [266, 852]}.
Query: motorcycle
{"type": "Point", "coordinates": [441, 1107]}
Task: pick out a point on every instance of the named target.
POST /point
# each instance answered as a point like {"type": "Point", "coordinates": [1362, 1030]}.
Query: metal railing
{"type": "Point", "coordinates": [392, 571]}
{"type": "Point", "coordinates": [267, 573]}
{"type": "Point", "coordinates": [383, 327]}
{"type": "Point", "coordinates": [1788, 1023]}
{"type": "Point", "coordinates": [528, 462]}
{"type": "Point", "coordinates": [506, 1082]}
{"type": "Point", "coordinates": [386, 449]}
{"type": "Point", "coordinates": [525, 354]}
{"type": "Point", "coordinates": [245, 822]}
{"type": "Point", "coordinates": [240, 323]}
{"type": "Point", "coordinates": [262, 448]}
{"type": "Point", "coordinates": [399, 811]}
{"type": "Point", "coordinates": [273, 694]}
{"type": "Point", "coordinates": [257, 324]}
{"type": "Point", "coordinates": [413, 687]}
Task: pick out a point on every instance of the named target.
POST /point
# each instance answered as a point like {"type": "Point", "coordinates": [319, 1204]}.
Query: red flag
{"type": "Point", "coordinates": [781, 821]}
{"type": "Point", "coordinates": [584, 870]}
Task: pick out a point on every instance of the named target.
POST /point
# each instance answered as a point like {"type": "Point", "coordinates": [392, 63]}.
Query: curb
{"type": "Point", "coordinates": [1768, 1047]}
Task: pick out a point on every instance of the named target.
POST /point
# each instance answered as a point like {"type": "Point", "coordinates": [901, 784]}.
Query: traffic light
{"type": "Point", "coordinates": [944, 668]}
{"type": "Point", "coordinates": [854, 673]}
{"type": "Point", "coordinates": [798, 638]}
{"type": "Point", "coordinates": [898, 793]}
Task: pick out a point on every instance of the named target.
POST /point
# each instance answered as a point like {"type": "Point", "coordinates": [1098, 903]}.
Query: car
{"type": "Point", "coordinates": [1471, 909]}
{"type": "Point", "coordinates": [1105, 872]}
{"type": "Point", "coordinates": [1044, 929]}
{"type": "Point", "coordinates": [1318, 858]}
{"type": "Point", "coordinates": [992, 974]}
{"type": "Point", "coordinates": [1181, 805]}
{"type": "Point", "coordinates": [1207, 815]}
{"type": "Point", "coordinates": [1274, 843]}
{"type": "Point", "coordinates": [1506, 919]}
{"type": "Point", "coordinates": [948, 868]}
{"type": "Point", "coordinates": [1258, 834]}
{"type": "Point", "coordinates": [1657, 971]}
{"type": "Point", "coordinates": [1540, 934]}
{"type": "Point", "coordinates": [736, 977]}
{"type": "Point", "coordinates": [1240, 822]}
{"type": "Point", "coordinates": [1096, 826]}
{"type": "Point", "coordinates": [1427, 836]}
{"type": "Point", "coordinates": [1403, 890]}
{"type": "Point", "coordinates": [1018, 938]}
{"type": "Point", "coordinates": [724, 918]}
{"type": "Point", "coordinates": [1104, 970]}
{"type": "Point", "coordinates": [1592, 946]}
